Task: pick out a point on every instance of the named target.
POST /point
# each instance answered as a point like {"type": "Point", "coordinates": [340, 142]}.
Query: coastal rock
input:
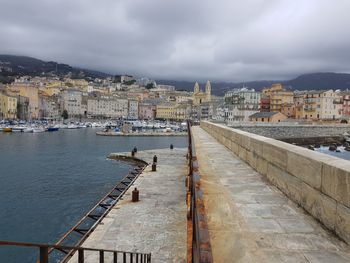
{"type": "Point", "coordinates": [332, 147]}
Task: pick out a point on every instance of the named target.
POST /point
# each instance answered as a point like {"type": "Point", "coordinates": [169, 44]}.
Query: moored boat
{"type": "Point", "coordinates": [7, 129]}
{"type": "Point", "coordinates": [28, 129]}
{"type": "Point", "coordinates": [38, 129]}
{"type": "Point", "coordinates": [52, 129]}
{"type": "Point", "coordinates": [72, 126]}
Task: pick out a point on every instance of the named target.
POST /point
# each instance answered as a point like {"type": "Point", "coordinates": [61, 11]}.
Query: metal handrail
{"type": "Point", "coordinates": [95, 215]}
{"type": "Point", "coordinates": [201, 248]}
{"type": "Point", "coordinates": [44, 252]}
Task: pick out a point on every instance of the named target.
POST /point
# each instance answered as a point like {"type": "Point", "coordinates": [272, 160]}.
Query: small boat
{"type": "Point", "coordinates": [52, 129]}
{"type": "Point", "coordinates": [39, 129]}
{"type": "Point", "coordinates": [72, 126]}
{"type": "Point", "coordinates": [7, 129]}
{"type": "Point", "coordinates": [17, 129]}
{"type": "Point", "coordinates": [27, 130]}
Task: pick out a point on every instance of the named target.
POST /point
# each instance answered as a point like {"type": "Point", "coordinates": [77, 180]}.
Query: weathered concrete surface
{"type": "Point", "coordinates": [156, 224]}
{"type": "Point", "coordinates": [279, 131]}
{"type": "Point", "coordinates": [250, 220]}
{"type": "Point", "coordinates": [318, 182]}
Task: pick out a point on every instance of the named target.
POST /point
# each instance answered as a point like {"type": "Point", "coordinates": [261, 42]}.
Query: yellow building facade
{"type": "Point", "coordinates": [8, 107]}
{"type": "Point", "coordinates": [29, 91]}
{"type": "Point", "coordinates": [280, 98]}
{"type": "Point", "coordinates": [173, 111]}
{"type": "Point", "coordinates": [166, 111]}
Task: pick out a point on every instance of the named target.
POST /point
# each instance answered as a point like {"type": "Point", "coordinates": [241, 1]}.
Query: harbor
{"type": "Point", "coordinates": [157, 221]}
{"type": "Point", "coordinates": [62, 175]}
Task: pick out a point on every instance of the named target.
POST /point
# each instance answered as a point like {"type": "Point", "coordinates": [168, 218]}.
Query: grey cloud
{"type": "Point", "coordinates": [219, 40]}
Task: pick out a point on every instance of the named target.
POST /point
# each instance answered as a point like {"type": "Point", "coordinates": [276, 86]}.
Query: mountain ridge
{"type": "Point", "coordinates": [12, 66]}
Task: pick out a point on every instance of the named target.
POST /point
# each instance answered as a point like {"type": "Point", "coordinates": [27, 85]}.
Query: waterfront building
{"type": "Point", "coordinates": [29, 90]}
{"type": "Point", "coordinates": [345, 99]}
{"type": "Point", "coordinates": [264, 103]}
{"type": "Point", "coordinates": [220, 113]}
{"type": "Point", "coordinates": [288, 110]}
{"type": "Point", "coordinates": [147, 110]}
{"type": "Point", "coordinates": [23, 108]}
{"type": "Point", "coordinates": [278, 98]}
{"type": "Point", "coordinates": [173, 111]}
{"type": "Point", "coordinates": [166, 111]}
{"type": "Point", "coordinates": [322, 105]}
{"type": "Point", "coordinates": [8, 106]}
{"type": "Point", "coordinates": [299, 104]}
{"type": "Point", "coordinates": [267, 117]}
{"type": "Point", "coordinates": [183, 111]}
{"type": "Point", "coordinates": [199, 96]}
{"type": "Point", "coordinates": [241, 104]}
{"type": "Point", "coordinates": [133, 109]}
{"type": "Point", "coordinates": [106, 106]}
{"type": "Point", "coordinates": [48, 106]}
{"type": "Point", "coordinates": [71, 101]}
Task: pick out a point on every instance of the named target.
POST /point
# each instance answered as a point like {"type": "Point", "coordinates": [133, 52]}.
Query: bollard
{"type": "Point", "coordinates": [155, 159]}
{"type": "Point", "coordinates": [154, 167]}
{"type": "Point", "coordinates": [135, 149]}
{"type": "Point", "coordinates": [135, 195]}
{"type": "Point", "coordinates": [132, 153]}
{"type": "Point", "coordinates": [171, 146]}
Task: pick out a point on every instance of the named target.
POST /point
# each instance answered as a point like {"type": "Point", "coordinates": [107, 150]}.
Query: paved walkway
{"type": "Point", "coordinates": [252, 221]}
{"type": "Point", "coordinates": [156, 224]}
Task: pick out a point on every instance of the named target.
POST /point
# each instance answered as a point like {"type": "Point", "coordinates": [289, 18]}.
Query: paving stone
{"type": "Point", "coordinates": [156, 224]}
{"type": "Point", "coordinates": [250, 220]}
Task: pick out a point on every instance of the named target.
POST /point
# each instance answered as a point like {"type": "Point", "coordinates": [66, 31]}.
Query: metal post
{"type": "Point", "coordinates": [131, 257]}
{"type": "Point", "coordinates": [102, 257]}
{"type": "Point", "coordinates": [81, 256]}
{"type": "Point", "coordinates": [124, 257]}
{"type": "Point", "coordinates": [44, 255]}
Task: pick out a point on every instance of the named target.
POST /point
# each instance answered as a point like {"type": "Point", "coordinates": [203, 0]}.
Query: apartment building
{"type": "Point", "coordinates": [241, 104]}
{"type": "Point", "coordinates": [322, 104]}
{"type": "Point", "coordinates": [8, 106]}
{"type": "Point", "coordinates": [279, 98]}
{"type": "Point", "coordinates": [104, 106]}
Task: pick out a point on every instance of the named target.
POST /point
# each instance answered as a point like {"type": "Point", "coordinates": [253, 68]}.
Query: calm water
{"type": "Point", "coordinates": [48, 181]}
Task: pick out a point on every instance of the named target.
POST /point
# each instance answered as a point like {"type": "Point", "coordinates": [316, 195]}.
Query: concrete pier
{"type": "Point", "coordinates": [250, 220]}
{"type": "Point", "coordinates": [156, 224]}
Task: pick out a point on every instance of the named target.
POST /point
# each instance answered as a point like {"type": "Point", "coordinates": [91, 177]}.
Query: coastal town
{"type": "Point", "coordinates": [56, 99]}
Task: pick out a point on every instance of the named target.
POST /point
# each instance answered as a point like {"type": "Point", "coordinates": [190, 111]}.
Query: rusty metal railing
{"type": "Point", "coordinates": [123, 256]}
{"type": "Point", "coordinates": [91, 219]}
{"type": "Point", "coordinates": [199, 242]}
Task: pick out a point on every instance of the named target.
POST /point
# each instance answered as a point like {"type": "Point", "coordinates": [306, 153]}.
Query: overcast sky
{"type": "Point", "coordinates": [227, 40]}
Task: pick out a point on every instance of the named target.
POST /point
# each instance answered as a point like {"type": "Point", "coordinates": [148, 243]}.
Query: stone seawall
{"type": "Point", "coordinates": [317, 182]}
{"type": "Point", "coordinates": [295, 131]}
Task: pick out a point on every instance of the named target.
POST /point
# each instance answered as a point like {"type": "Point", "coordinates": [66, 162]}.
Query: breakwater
{"type": "Point", "coordinates": [294, 131]}
{"type": "Point", "coordinates": [317, 182]}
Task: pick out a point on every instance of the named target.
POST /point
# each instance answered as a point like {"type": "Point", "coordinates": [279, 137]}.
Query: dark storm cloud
{"type": "Point", "coordinates": [221, 40]}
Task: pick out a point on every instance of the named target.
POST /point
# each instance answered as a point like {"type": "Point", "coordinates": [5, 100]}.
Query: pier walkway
{"type": "Point", "coordinates": [250, 220]}
{"type": "Point", "coordinates": [156, 224]}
